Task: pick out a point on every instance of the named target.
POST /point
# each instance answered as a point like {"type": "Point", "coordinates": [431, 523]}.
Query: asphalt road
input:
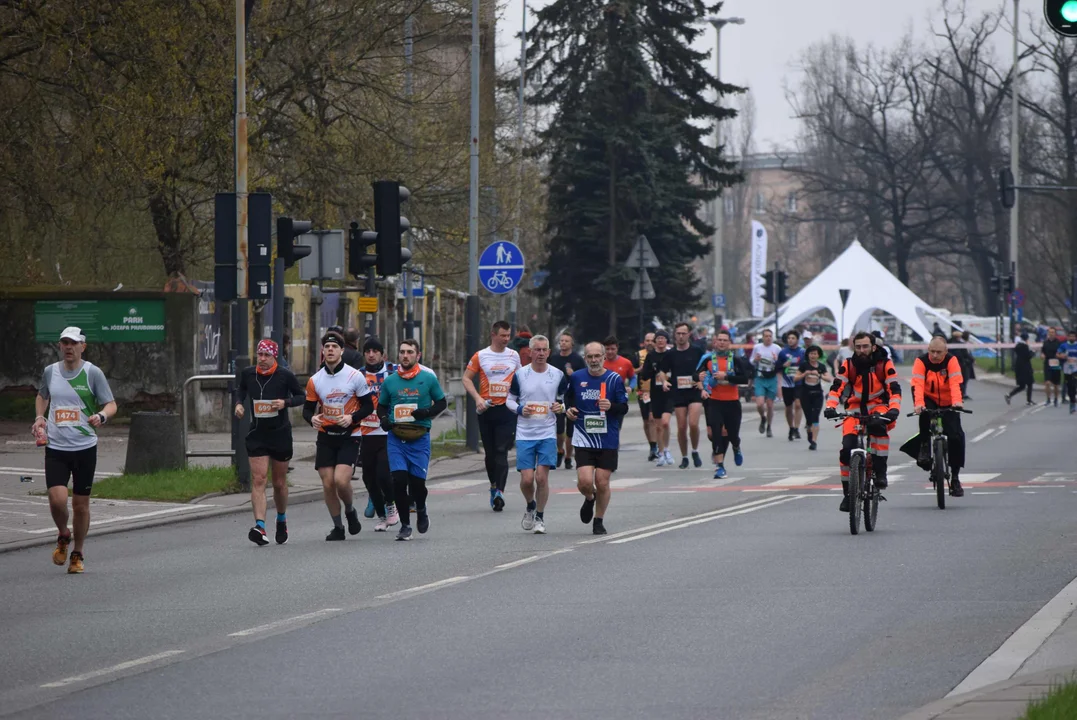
{"type": "Point", "coordinates": [746, 598]}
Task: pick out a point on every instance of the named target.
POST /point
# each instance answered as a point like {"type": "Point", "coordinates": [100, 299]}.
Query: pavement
{"type": "Point", "coordinates": [737, 598]}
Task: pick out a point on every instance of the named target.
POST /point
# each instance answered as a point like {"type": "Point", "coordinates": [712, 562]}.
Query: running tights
{"type": "Point", "coordinates": [374, 460]}
{"type": "Point", "coordinates": [812, 403]}
{"type": "Point", "coordinates": [1071, 387]}
{"type": "Point", "coordinates": [497, 427]}
{"type": "Point", "coordinates": [723, 414]}
{"type": "Point", "coordinates": [1019, 388]}
{"type": "Point", "coordinates": [409, 488]}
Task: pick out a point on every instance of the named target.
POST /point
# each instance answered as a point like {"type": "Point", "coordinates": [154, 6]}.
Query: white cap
{"type": "Point", "coordinates": [808, 335]}
{"type": "Point", "coordinates": [73, 333]}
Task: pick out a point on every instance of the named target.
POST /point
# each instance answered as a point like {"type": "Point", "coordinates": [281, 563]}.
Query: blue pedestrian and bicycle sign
{"type": "Point", "coordinates": [501, 267]}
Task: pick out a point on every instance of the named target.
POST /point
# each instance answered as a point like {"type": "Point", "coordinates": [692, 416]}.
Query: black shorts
{"type": "Point", "coordinates": [1054, 376]}
{"type": "Point", "coordinates": [684, 398]}
{"type": "Point", "coordinates": [331, 451]}
{"type": "Point", "coordinates": [564, 428]}
{"type": "Point", "coordinates": [77, 466]}
{"type": "Point", "coordinates": [661, 403]}
{"type": "Point", "coordinates": [593, 457]}
{"type": "Point", "coordinates": [789, 395]}
{"type": "Point", "coordinates": [277, 444]}
{"type": "Point", "coordinates": [645, 410]}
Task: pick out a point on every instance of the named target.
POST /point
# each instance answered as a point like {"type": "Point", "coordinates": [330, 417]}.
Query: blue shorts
{"type": "Point", "coordinates": [532, 453]}
{"type": "Point", "coordinates": [767, 387]}
{"type": "Point", "coordinates": [411, 456]}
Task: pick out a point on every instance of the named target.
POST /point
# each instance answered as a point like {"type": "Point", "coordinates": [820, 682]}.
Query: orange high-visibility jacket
{"type": "Point", "coordinates": [940, 383]}
{"type": "Point", "coordinates": [883, 390]}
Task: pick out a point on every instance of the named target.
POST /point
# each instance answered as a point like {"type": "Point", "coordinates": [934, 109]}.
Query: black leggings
{"type": "Point", "coordinates": [1071, 387]}
{"type": "Point", "coordinates": [812, 404]}
{"type": "Point", "coordinates": [409, 488]}
{"type": "Point", "coordinates": [374, 460]}
{"type": "Point", "coordinates": [955, 436]}
{"type": "Point", "coordinates": [723, 414]}
{"type": "Point", "coordinates": [497, 427]}
{"type": "Point", "coordinates": [1027, 388]}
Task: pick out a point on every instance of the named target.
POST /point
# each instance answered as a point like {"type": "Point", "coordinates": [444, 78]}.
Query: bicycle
{"type": "Point", "coordinates": [863, 495]}
{"type": "Point", "coordinates": [499, 279]}
{"type": "Point", "coordinates": [940, 466]}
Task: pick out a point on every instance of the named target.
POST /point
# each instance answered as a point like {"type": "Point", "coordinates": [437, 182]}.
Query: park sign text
{"type": "Point", "coordinates": [101, 320]}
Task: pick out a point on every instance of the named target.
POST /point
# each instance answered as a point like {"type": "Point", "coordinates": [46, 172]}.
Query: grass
{"type": "Point", "coordinates": [448, 444]}
{"type": "Point", "coordinates": [1059, 704]}
{"type": "Point", "coordinates": [168, 485]}
{"type": "Point", "coordinates": [17, 408]}
{"type": "Point", "coordinates": [993, 365]}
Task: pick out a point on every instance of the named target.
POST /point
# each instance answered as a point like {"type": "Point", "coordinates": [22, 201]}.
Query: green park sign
{"type": "Point", "coordinates": [101, 320]}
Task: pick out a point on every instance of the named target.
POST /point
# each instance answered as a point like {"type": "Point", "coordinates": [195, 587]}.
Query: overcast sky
{"type": "Point", "coordinates": [763, 52]}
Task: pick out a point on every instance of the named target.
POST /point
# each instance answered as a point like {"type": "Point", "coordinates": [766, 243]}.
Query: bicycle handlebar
{"type": "Point", "coordinates": [940, 411]}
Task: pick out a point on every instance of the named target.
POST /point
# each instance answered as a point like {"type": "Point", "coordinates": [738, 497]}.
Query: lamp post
{"type": "Point", "coordinates": [1015, 144]}
{"type": "Point", "coordinates": [718, 209]}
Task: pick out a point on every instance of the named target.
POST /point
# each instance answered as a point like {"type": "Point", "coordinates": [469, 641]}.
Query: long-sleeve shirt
{"type": "Point", "coordinates": [281, 384]}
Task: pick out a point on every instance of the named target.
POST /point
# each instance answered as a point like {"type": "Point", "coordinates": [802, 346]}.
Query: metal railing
{"type": "Point", "coordinates": [183, 416]}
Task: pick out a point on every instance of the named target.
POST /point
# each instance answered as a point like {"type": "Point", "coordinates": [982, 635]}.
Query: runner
{"type": "Point", "coordinates": [409, 400]}
{"type": "Point", "coordinates": [568, 362]}
{"type": "Point", "coordinates": [789, 360]}
{"type": "Point", "coordinates": [597, 403]}
{"type": "Point", "coordinates": [658, 368]}
{"type": "Point", "coordinates": [494, 367]}
{"type": "Point", "coordinates": [272, 390]}
{"type": "Point", "coordinates": [811, 375]}
{"type": "Point", "coordinates": [78, 400]}
{"type": "Point", "coordinates": [338, 399]}
{"type": "Point", "coordinates": [1067, 354]}
{"type": "Point", "coordinates": [723, 371]}
{"type": "Point", "coordinates": [643, 395]}
{"type": "Point", "coordinates": [534, 396]}
{"type": "Point", "coordinates": [617, 363]}
{"type": "Point", "coordinates": [1052, 365]}
{"type": "Point", "coordinates": [373, 451]}
{"type": "Point", "coordinates": [765, 359]}
{"type": "Point", "coordinates": [688, 402]}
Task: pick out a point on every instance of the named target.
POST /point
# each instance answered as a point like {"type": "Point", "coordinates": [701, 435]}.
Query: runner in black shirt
{"type": "Point", "coordinates": [658, 368]}
{"type": "Point", "coordinates": [687, 392]}
{"type": "Point", "coordinates": [272, 390]}
{"type": "Point", "coordinates": [568, 362]}
{"type": "Point", "coordinates": [1052, 366]}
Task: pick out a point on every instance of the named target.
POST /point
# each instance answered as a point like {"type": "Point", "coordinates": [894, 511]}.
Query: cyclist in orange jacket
{"type": "Point", "coordinates": [936, 383]}
{"type": "Point", "coordinates": [867, 379]}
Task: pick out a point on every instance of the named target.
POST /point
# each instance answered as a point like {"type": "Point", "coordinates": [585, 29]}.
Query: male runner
{"type": "Point", "coordinates": [1052, 365]}
{"type": "Point", "coordinates": [658, 368]}
{"type": "Point", "coordinates": [597, 403]}
{"type": "Point", "coordinates": [373, 451]}
{"type": "Point", "coordinates": [789, 360]}
{"type": "Point", "coordinates": [338, 399]}
{"type": "Point", "coordinates": [723, 371]}
{"type": "Point", "coordinates": [765, 359]}
{"type": "Point", "coordinates": [568, 362]}
{"type": "Point", "coordinates": [1067, 354]}
{"type": "Point", "coordinates": [272, 390]}
{"type": "Point", "coordinates": [78, 400]}
{"type": "Point", "coordinates": [409, 401]}
{"type": "Point", "coordinates": [643, 396]}
{"type": "Point", "coordinates": [533, 396]}
{"type": "Point", "coordinates": [494, 366]}
{"type": "Point", "coordinates": [687, 400]}
{"type": "Point", "coordinates": [617, 363]}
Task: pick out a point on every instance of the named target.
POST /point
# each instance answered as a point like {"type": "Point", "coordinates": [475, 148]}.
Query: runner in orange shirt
{"type": "Point", "coordinates": [617, 363]}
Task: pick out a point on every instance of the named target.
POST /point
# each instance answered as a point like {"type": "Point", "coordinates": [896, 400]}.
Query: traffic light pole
{"type": "Point", "coordinates": [471, 317]}
{"type": "Point", "coordinates": [240, 346]}
{"type": "Point", "coordinates": [278, 303]}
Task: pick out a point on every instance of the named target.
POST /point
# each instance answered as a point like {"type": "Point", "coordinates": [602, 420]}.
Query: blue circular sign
{"type": "Point", "coordinates": [501, 267]}
{"type": "Point", "coordinates": [1018, 298]}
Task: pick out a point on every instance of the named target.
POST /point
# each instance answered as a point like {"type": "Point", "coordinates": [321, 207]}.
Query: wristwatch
{"type": "Point", "coordinates": [104, 418]}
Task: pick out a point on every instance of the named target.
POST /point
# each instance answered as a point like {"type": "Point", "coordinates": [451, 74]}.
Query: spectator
{"type": "Point", "coordinates": [522, 344]}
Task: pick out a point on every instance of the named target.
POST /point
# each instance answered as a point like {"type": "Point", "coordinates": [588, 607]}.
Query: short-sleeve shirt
{"type": "Point", "coordinates": [538, 391]}
{"type": "Point", "coordinates": [594, 428]}
{"type": "Point", "coordinates": [403, 395]}
{"type": "Point", "coordinates": [495, 370]}
{"type": "Point", "coordinates": [813, 376]}
{"type": "Point", "coordinates": [1069, 365]}
{"type": "Point", "coordinates": [73, 397]}
{"type": "Point", "coordinates": [338, 394]}
{"type": "Point", "coordinates": [765, 359]}
{"type": "Point", "coordinates": [622, 366]}
{"type": "Point", "coordinates": [789, 361]}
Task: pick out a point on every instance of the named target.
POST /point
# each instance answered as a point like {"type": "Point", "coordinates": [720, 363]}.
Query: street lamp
{"type": "Point", "coordinates": [718, 210]}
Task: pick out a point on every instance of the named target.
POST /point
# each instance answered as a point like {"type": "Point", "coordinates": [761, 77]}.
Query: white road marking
{"type": "Point", "coordinates": [671, 492]}
{"type": "Point", "coordinates": [1019, 647]}
{"type": "Point", "coordinates": [666, 523]}
{"type": "Point", "coordinates": [457, 484]}
{"type": "Point", "coordinates": [769, 504]}
{"type": "Point", "coordinates": [1037, 487]}
{"type": "Point", "coordinates": [41, 471]}
{"type": "Point", "coordinates": [977, 478]}
{"type": "Point", "coordinates": [982, 435]}
{"type": "Point", "coordinates": [794, 480]}
{"type": "Point", "coordinates": [766, 490]}
{"type": "Point", "coordinates": [114, 669]}
{"type": "Point", "coordinates": [282, 623]}
{"type": "Point", "coordinates": [999, 432]}
{"type": "Point", "coordinates": [621, 483]}
{"type": "Point", "coordinates": [420, 588]}
{"type": "Point", "coordinates": [530, 559]}
{"type": "Point", "coordinates": [137, 516]}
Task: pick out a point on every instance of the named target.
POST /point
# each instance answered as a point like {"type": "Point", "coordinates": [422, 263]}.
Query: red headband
{"type": "Point", "coordinates": [268, 346]}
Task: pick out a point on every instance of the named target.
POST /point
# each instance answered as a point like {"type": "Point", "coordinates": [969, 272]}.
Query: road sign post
{"type": "Point", "coordinates": [501, 267]}
{"type": "Point", "coordinates": [641, 258]}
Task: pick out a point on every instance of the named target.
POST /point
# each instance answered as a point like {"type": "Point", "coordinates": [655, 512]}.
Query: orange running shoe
{"type": "Point", "coordinates": [75, 567]}
{"type": "Point", "coordinates": [59, 555]}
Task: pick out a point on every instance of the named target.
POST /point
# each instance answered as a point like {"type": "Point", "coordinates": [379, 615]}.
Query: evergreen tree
{"type": "Point", "coordinates": [625, 153]}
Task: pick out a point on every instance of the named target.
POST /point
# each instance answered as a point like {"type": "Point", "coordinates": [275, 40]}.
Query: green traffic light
{"type": "Point", "coordinates": [1069, 11]}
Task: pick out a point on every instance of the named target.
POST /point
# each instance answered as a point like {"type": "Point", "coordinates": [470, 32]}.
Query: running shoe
{"type": "Point", "coordinates": [652, 454]}
{"type": "Point", "coordinates": [844, 507]}
{"type": "Point", "coordinates": [796, 433]}
{"type": "Point", "coordinates": [813, 446]}
{"type": "Point", "coordinates": [1007, 399]}
{"type": "Point", "coordinates": [528, 522]}
{"type": "Point", "coordinates": [684, 464]}
{"type": "Point", "coordinates": [560, 457]}
{"type": "Point", "coordinates": [1056, 402]}
{"type": "Point", "coordinates": [335, 534]}
{"type": "Point", "coordinates": [493, 494]}
{"type": "Point", "coordinates": [568, 463]}
{"type": "Point", "coordinates": [369, 512]}
{"type": "Point", "coordinates": [790, 438]}
{"type": "Point", "coordinates": [76, 567]}
{"type": "Point", "coordinates": [669, 458]}
{"type": "Point", "coordinates": [422, 521]}
{"type": "Point", "coordinates": [719, 472]}
{"type": "Point", "coordinates": [540, 527]}
{"type": "Point", "coordinates": [769, 433]}
{"type": "Point", "coordinates": [696, 459]}
{"type": "Point", "coordinates": [661, 460]}
{"type": "Point", "coordinates": [382, 525]}
{"type": "Point", "coordinates": [392, 517]}
{"type": "Point", "coordinates": [587, 512]}
{"type": "Point", "coordinates": [499, 501]}
{"type": "Point", "coordinates": [282, 532]}
{"type": "Point", "coordinates": [257, 536]}
{"type": "Point", "coordinates": [405, 533]}
{"type": "Point", "coordinates": [59, 555]}
{"type": "Point", "coordinates": [353, 521]}
{"type": "Point", "coordinates": [762, 426]}
{"type": "Point", "coordinates": [738, 457]}
{"type": "Point", "coordinates": [598, 528]}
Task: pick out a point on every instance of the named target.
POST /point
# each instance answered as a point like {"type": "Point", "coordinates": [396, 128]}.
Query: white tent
{"type": "Point", "coordinates": [871, 287]}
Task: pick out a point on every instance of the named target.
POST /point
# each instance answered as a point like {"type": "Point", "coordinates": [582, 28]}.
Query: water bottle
{"type": "Point", "coordinates": [41, 437]}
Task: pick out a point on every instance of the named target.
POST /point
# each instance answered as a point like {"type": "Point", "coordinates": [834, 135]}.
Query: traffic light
{"type": "Point", "coordinates": [259, 245]}
{"type": "Point", "coordinates": [1061, 15]}
{"type": "Point", "coordinates": [996, 285]}
{"type": "Point", "coordinates": [781, 278]}
{"type": "Point", "coordinates": [1009, 284]}
{"type": "Point", "coordinates": [1007, 192]}
{"type": "Point", "coordinates": [287, 231]}
{"type": "Point", "coordinates": [224, 247]}
{"type": "Point", "coordinates": [768, 286]}
{"type": "Point", "coordinates": [390, 226]}
{"type": "Point", "coordinates": [358, 258]}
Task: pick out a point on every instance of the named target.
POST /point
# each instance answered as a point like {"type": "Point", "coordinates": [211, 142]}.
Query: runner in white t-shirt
{"type": "Point", "coordinates": [765, 359]}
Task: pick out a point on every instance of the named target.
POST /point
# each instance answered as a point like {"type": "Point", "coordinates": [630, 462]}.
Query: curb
{"type": "Point", "coordinates": [300, 497]}
{"type": "Point", "coordinates": [939, 708]}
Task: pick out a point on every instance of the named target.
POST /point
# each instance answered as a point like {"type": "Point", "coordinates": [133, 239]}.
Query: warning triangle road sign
{"type": "Point", "coordinates": [648, 289]}
{"type": "Point", "coordinates": [642, 255]}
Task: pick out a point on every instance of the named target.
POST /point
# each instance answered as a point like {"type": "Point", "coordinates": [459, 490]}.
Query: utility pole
{"type": "Point", "coordinates": [520, 155]}
{"type": "Point", "coordinates": [409, 43]}
{"type": "Point", "coordinates": [1015, 144]}
{"type": "Point", "coordinates": [240, 345]}
{"type": "Point", "coordinates": [471, 318]}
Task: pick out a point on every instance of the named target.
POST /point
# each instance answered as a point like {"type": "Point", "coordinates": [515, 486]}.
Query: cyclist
{"type": "Point", "coordinates": [936, 383]}
{"type": "Point", "coordinates": [866, 383]}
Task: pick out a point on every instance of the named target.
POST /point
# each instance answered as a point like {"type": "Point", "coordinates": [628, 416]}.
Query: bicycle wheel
{"type": "Point", "coordinates": [938, 471]}
{"type": "Point", "coordinates": [856, 482]}
{"type": "Point", "coordinates": [871, 507]}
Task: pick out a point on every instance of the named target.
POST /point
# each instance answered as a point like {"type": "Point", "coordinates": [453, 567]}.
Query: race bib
{"type": "Point", "coordinates": [1053, 362]}
{"type": "Point", "coordinates": [538, 409]}
{"type": "Point", "coordinates": [370, 421]}
{"type": "Point", "coordinates": [790, 371]}
{"type": "Point", "coordinates": [685, 383]}
{"type": "Point", "coordinates": [67, 416]}
{"type": "Point", "coordinates": [594, 424]}
{"type": "Point", "coordinates": [1071, 367]}
{"type": "Point", "coordinates": [331, 413]}
{"type": "Point", "coordinates": [264, 409]}
{"type": "Point", "coordinates": [499, 390]}
{"type": "Point", "coordinates": [811, 378]}
{"type": "Point", "coordinates": [766, 364]}
{"type": "Point", "coordinates": [402, 412]}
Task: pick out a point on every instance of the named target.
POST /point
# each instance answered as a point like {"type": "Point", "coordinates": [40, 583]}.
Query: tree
{"type": "Point", "coordinates": [625, 152]}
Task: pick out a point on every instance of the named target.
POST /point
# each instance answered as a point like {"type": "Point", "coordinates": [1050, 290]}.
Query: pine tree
{"type": "Point", "coordinates": [625, 153]}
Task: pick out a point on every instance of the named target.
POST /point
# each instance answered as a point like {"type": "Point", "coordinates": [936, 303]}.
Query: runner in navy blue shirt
{"type": "Point", "coordinates": [789, 361]}
{"type": "Point", "coordinates": [1067, 353]}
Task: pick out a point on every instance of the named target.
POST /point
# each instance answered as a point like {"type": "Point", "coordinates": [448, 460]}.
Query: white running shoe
{"type": "Point", "coordinates": [382, 526]}
{"type": "Point", "coordinates": [669, 458]}
{"type": "Point", "coordinates": [661, 462]}
{"type": "Point", "coordinates": [391, 516]}
{"type": "Point", "coordinates": [528, 523]}
{"type": "Point", "coordinates": [540, 527]}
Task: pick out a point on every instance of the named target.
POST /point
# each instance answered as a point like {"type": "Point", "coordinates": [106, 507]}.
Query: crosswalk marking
{"type": "Point", "coordinates": [458, 484]}
{"type": "Point", "coordinates": [622, 483]}
{"type": "Point", "coordinates": [977, 478]}
{"type": "Point", "coordinates": [797, 480]}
